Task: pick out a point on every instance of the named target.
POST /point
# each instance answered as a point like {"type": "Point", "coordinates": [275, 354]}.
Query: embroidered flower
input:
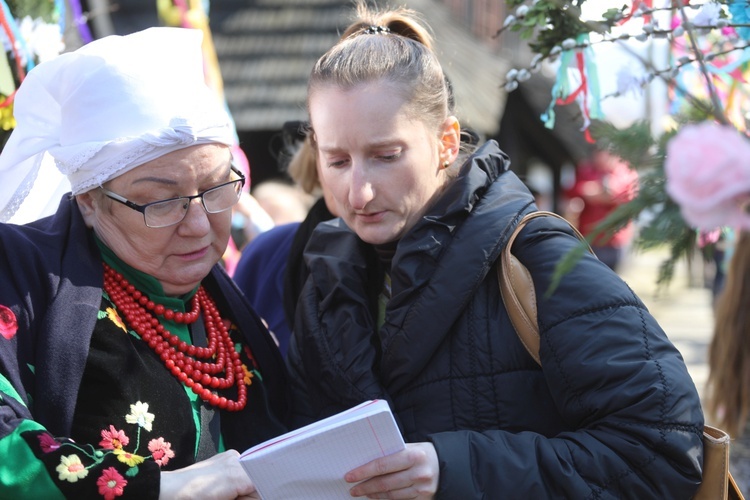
{"type": "Point", "coordinates": [248, 378]}
{"type": "Point", "coordinates": [111, 484]}
{"type": "Point", "coordinates": [128, 458]}
{"type": "Point", "coordinates": [115, 318]}
{"type": "Point", "coordinates": [139, 415]}
{"type": "Point", "coordinates": [113, 439]}
{"type": "Point", "coordinates": [71, 469]}
{"type": "Point", "coordinates": [48, 443]}
{"type": "Point", "coordinates": [8, 323]}
{"type": "Point", "coordinates": [161, 451]}
{"type": "Point", "coordinates": [708, 174]}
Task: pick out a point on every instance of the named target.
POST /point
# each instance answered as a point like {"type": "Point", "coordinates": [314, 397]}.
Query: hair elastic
{"type": "Point", "coordinates": [376, 30]}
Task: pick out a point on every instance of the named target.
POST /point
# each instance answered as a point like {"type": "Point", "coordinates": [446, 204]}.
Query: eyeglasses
{"type": "Point", "coordinates": [170, 212]}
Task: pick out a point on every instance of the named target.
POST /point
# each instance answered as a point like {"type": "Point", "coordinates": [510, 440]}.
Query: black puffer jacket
{"type": "Point", "coordinates": [613, 413]}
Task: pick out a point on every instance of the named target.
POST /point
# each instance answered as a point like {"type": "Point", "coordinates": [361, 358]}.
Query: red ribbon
{"type": "Point", "coordinates": [634, 8]}
{"type": "Point", "coordinates": [582, 88]}
{"type": "Point", "coordinates": [12, 39]}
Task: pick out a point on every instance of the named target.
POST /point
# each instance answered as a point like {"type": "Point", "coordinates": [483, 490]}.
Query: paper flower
{"type": "Point", "coordinates": [43, 40]}
{"type": "Point", "coordinates": [708, 174]}
{"type": "Point", "coordinates": [740, 11]}
{"type": "Point", "coordinates": [708, 15]}
{"type": "Point", "coordinates": [628, 81]}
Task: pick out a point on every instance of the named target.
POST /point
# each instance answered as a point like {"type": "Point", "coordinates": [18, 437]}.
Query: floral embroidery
{"type": "Point", "coordinates": [48, 443]}
{"type": "Point", "coordinates": [113, 439]}
{"type": "Point", "coordinates": [128, 458]}
{"type": "Point", "coordinates": [115, 318]}
{"type": "Point", "coordinates": [248, 375]}
{"type": "Point", "coordinates": [111, 484]}
{"type": "Point", "coordinates": [139, 415]}
{"type": "Point", "coordinates": [8, 323]}
{"type": "Point", "coordinates": [161, 451]}
{"type": "Point", "coordinates": [111, 314]}
{"type": "Point", "coordinates": [71, 469]}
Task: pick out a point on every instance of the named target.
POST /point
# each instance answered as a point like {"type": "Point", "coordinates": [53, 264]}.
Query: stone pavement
{"type": "Point", "coordinates": [682, 310]}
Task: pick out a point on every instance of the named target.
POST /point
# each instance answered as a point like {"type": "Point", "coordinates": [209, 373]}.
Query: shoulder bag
{"type": "Point", "coordinates": [519, 298]}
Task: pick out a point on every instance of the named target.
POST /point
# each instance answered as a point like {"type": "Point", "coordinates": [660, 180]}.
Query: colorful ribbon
{"type": "Point", "coordinates": [587, 93]}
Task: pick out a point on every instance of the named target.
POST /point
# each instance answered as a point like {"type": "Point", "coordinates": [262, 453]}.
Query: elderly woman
{"type": "Point", "coordinates": [403, 304]}
{"type": "Point", "coordinates": [130, 365]}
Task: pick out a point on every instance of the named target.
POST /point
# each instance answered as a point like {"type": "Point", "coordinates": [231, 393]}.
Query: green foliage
{"type": "Point", "coordinates": [554, 27]}
{"type": "Point", "coordinates": [633, 144]}
{"type": "Point", "coordinates": [657, 214]}
{"type": "Point", "coordinates": [549, 23]}
{"type": "Point", "coordinates": [44, 9]}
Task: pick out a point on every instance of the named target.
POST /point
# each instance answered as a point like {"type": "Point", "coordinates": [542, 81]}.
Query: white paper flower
{"type": "Point", "coordinates": [627, 81]}
{"type": "Point", "coordinates": [44, 41]}
{"type": "Point", "coordinates": [708, 15]}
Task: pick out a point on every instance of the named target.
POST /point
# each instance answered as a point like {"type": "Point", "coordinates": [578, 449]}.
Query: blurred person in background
{"type": "Point", "coordinates": [603, 182]}
{"type": "Point", "coordinates": [271, 269]}
{"type": "Point", "coordinates": [282, 201]}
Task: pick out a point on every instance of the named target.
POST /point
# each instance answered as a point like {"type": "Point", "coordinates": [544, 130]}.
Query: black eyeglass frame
{"type": "Point", "coordinates": [142, 208]}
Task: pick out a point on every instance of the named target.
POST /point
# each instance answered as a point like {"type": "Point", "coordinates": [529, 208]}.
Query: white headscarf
{"type": "Point", "coordinates": [102, 110]}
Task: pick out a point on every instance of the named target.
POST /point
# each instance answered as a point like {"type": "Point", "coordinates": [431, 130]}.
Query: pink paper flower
{"type": "Point", "coordinates": [8, 323]}
{"type": "Point", "coordinates": [707, 171]}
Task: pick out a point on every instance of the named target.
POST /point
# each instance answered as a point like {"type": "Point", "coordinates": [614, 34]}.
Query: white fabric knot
{"type": "Point", "coordinates": [178, 132]}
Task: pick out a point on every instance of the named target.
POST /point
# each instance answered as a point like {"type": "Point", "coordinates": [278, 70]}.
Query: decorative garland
{"type": "Point", "coordinates": [709, 100]}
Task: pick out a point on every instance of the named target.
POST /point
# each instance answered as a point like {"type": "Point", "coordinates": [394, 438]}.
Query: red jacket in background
{"type": "Point", "coordinates": [602, 184]}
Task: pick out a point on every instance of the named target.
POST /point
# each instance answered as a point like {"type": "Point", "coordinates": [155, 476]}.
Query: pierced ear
{"type": "Point", "coordinates": [450, 141]}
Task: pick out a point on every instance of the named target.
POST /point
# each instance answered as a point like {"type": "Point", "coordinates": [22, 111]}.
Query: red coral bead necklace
{"type": "Point", "coordinates": [199, 368]}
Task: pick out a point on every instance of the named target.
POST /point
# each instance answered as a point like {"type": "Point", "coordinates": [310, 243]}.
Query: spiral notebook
{"type": "Point", "coordinates": [309, 463]}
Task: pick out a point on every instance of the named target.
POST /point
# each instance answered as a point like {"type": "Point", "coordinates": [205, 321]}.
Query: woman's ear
{"type": "Point", "coordinates": [86, 204]}
{"type": "Point", "coordinates": [450, 141]}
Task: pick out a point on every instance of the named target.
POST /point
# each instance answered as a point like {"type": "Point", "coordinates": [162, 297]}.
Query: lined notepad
{"type": "Point", "coordinates": [309, 463]}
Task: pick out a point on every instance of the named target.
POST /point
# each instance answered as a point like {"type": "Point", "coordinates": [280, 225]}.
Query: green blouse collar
{"type": "Point", "coordinates": [142, 281]}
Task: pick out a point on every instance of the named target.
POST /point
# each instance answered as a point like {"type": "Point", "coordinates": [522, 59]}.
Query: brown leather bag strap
{"type": "Point", "coordinates": [517, 288]}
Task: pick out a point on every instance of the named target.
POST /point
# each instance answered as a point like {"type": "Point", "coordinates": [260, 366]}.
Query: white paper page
{"type": "Point", "coordinates": [310, 463]}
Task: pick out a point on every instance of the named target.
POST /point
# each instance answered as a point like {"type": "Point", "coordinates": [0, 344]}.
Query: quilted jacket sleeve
{"type": "Point", "coordinates": [632, 410]}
